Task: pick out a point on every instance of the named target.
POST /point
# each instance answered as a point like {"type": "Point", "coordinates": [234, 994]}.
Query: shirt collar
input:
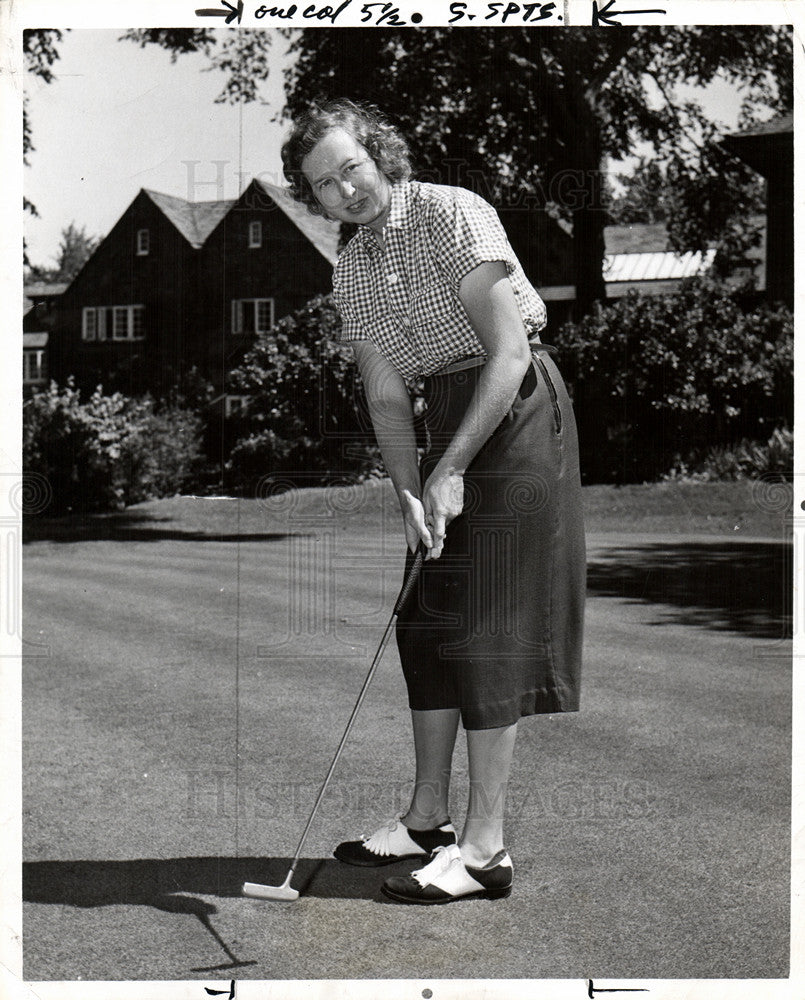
{"type": "Point", "coordinates": [400, 217]}
{"type": "Point", "coordinates": [400, 209]}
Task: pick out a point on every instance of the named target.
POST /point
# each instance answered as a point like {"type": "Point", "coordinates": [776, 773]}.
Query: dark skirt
{"type": "Point", "coordinates": [495, 625]}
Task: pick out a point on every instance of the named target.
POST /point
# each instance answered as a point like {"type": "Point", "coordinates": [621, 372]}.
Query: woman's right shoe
{"type": "Point", "coordinates": [447, 879]}
{"type": "Point", "coordinates": [394, 842]}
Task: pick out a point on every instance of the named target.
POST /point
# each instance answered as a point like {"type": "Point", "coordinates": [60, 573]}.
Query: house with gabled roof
{"type": "Point", "coordinates": [179, 285]}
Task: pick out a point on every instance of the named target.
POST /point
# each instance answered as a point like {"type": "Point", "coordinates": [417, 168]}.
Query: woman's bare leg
{"type": "Point", "coordinates": [490, 754]}
{"type": "Point", "coordinates": [434, 740]}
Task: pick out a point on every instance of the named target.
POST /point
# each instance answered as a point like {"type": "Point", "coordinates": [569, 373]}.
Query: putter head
{"type": "Point", "coordinates": [273, 893]}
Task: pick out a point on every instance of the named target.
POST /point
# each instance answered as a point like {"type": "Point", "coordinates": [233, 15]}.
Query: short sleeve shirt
{"type": "Point", "coordinates": [404, 297]}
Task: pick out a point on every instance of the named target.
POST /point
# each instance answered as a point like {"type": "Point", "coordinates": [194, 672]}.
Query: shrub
{"type": "Point", "coordinates": [305, 413]}
{"type": "Point", "coordinates": [110, 451]}
{"type": "Point", "coordinates": [772, 460]}
{"type": "Point", "coordinates": [659, 376]}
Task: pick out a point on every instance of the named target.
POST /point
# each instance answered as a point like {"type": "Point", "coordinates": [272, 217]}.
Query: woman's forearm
{"type": "Point", "coordinates": [393, 423]}
{"type": "Point", "coordinates": [392, 417]}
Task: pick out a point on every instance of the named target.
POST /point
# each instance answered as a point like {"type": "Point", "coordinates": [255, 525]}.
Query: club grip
{"type": "Point", "coordinates": [410, 582]}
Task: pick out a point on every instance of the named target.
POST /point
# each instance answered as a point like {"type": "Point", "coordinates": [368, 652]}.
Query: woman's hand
{"type": "Point", "coordinates": [442, 501]}
{"type": "Point", "coordinates": [416, 529]}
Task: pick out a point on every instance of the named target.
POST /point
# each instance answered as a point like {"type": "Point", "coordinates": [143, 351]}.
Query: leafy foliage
{"type": "Point", "coordinates": [109, 451]}
{"type": "Point", "coordinates": [662, 376]}
{"type": "Point", "coordinates": [713, 198]}
{"type": "Point", "coordinates": [772, 460]}
{"type": "Point", "coordinates": [527, 117]}
{"type": "Point", "coordinates": [644, 197]}
{"type": "Point", "coordinates": [305, 413]}
{"type": "Point", "coordinates": [75, 249]}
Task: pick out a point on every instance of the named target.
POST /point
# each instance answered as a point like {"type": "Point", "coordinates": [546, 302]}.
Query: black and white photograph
{"type": "Point", "coordinates": [401, 534]}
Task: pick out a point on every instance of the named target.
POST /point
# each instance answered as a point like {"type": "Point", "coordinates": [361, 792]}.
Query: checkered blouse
{"type": "Point", "coordinates": [404, 298]}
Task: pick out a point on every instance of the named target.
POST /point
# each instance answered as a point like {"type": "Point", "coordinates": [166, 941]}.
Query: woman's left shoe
{"type": "Point", "coordinates": [394, 841]}
{"type": "Point", "coordinates": [446, 878]}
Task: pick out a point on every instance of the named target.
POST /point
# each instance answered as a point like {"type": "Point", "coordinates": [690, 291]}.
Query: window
{"type": "Point", "coordinates": [33, 366]}
{"type": "Point", "coordinates": [137, 325]}
{"type": "Point", "coordinates": [120, 323]}
{"type": "Point", "coordinates": [236, 406]}
{"type": "Point", "coordinates": [252, 315]}
{"type": "Point", "coordinates": [255, 235]}
{"type": "Point", "coordinates": [143, 242]}
{"type": "Point", "coordinates": [113, 323]}
{"type": "Point", "coordinates": [89, 330]}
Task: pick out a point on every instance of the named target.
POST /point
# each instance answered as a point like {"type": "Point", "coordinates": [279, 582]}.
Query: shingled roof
{"type": "Point", "coordinates": [41, 291]}
{"type": "Point", "coordinates": [781, 125]}
{"type": "Point", "coordinates": [321, 233]}
{"type": "Point", "coordinates": [195, 220]}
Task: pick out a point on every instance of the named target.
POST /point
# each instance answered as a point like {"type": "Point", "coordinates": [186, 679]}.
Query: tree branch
{"type": "Point", "coordinates": [623, 42]}
{"type": "Point", "coordinates": [554, 96]}
{"type": "Point", "coordinates": [674, 107]}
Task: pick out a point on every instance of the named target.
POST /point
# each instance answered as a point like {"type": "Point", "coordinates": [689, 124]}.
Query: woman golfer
{"type": "Point", "coordinates": [429, 288]}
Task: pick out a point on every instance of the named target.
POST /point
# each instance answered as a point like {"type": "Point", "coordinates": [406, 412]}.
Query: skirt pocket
{"type": "Point", "coordinates": [557, 414]}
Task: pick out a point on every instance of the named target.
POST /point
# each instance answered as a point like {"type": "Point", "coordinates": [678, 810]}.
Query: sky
{"type": "Point", "coordinates": [118, 118]}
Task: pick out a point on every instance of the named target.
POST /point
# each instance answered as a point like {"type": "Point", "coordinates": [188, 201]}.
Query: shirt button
{"type": "Point", "coordinates": [391, 278]}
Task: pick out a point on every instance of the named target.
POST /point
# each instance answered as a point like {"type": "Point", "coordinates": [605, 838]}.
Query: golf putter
{"type": "Point", "coordinates": [284, 893]}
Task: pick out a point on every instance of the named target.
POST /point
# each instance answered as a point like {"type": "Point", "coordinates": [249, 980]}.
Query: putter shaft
{"type": "Point", "coordinates": [285, 892]}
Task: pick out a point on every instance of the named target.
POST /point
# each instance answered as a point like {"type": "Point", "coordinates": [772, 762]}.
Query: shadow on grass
{"type": "Point", "coordinates": [742, 586]}
{"type": "Point", "coordinates": [174, 885]}
{"type": "Point", "coordinates": [169, 883]}
{"type": "Point", "coordinates": [127, 527]}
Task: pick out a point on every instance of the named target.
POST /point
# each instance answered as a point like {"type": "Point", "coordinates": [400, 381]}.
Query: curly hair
{"type": "Point", "coordinates": [364, 122]}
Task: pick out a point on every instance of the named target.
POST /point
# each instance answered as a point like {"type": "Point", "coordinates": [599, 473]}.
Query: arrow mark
{"type": "Point", "coordinates": [606, 15]}
{"type": "Point", "coordinates": [231, 15]}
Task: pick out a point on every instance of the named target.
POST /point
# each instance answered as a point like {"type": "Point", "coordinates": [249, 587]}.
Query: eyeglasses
{"type": "Point", "coordinates": [329, 189]}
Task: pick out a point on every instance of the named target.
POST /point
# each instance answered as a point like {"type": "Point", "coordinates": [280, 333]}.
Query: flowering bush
{"type": "Point", "coordinates": [305, 412]}
{"type": "Point", "coordinates": [655, 377]}
{"type": "Point", "coordinates": [109, 451]}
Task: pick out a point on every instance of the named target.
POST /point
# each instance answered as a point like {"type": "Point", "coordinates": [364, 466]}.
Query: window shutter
{"type": "Point", "coordinates": [89, 328]}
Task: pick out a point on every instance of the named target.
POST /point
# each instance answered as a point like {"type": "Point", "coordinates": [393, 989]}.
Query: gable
{"type": "Point", "coordinates": [194, 220]}
{"type": "Point", "coordinates": [321, 233]}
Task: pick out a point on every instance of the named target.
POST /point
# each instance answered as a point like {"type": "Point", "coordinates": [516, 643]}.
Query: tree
{"type": "Point", "coordinates": [718, 205]}
{"type": "Point", "coordinates": [524, 116]}
{"type": "Point", "coordinates": [644, 198]}
{"type": "Point", "coordinates": [527, 117]}
{"type": "Point", "coordinates": [75, 249]}
{"type": "Point", "coordinates": [717, 201]}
